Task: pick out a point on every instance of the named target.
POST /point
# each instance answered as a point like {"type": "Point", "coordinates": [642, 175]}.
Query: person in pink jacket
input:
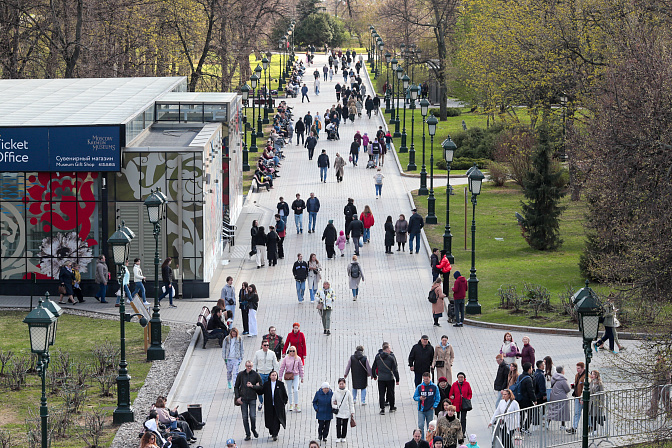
{"type": "Point", "coordinates": [291, 372]}
{"type": "Point", "coordinates": [367, 219]}
{"type": "Point", "coordinates": [459, 293]}
{"type": "Point", "coordinates": [340, 242]}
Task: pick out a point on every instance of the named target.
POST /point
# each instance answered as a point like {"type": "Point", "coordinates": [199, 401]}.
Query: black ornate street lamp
{"type": "Point", "coordinates": [368, 55]}
{"type": "Point", "coordinates": [245, 90]}
{"type": "Point", "coordinates": [388, 58]}
{"type": "Point", "coordinates": [405, 81]}
{"type": "Point", "coordinates": [381, 47]}
{"type": "Point", "coordinates": [265, 63]}
{"type": "Point", "coordinates": [400, 75]}
{"type": "Point", "coordinates": [42, 325]}
{"type": "Point", "coordinates": [432, 122]}
{"type": "Point", "coordinates": [120, 243]}
{"type": "Point", "coordinates": [424, 109]}
{"type": "Point", "coordinates": [588, 308]}
{"type": "Point", "coordinates": [156, 210]}
{"type": "Point", "coordinates": [258, 71]}
{"type": "Point", "coordinates": [254, 80]}
{"type": "Point", "coordinates": [394, 64]}
{"type": "Point", "coordinates": [475, 182]}
{"type": "Point", "coordinates": [449, 148]}
{"type": "Point", "coordinates": [373, 48]}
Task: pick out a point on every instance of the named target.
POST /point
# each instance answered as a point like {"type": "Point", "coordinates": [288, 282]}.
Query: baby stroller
{"type": "Point", "coordinates": [451, 311]}
{"type": "Point", "coordinates": [371, 164]}
{"type": "Point", "coordinates": [332, 133]}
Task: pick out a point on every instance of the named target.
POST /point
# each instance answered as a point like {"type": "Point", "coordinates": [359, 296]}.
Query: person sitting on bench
{"type": "Point", "coordinates": [216, 325]}
{"type": "Point", "coordinates": [263, 180]}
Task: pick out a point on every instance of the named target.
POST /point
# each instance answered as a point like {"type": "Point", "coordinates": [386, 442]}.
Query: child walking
{"type": "Point", "coordinates": [340, 242]}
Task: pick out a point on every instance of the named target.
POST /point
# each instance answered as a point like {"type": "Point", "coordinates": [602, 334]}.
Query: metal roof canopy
{"type": "Point", "coordinates": [79, 101]}
{"type": "Point", "coordinates": [197, 98]}
{"type": "Point", "coordinates": [174, 137]}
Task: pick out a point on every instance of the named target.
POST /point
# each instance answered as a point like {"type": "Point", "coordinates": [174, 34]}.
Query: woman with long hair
{"type": "Point", "coordinates": [389, 235]}
{"type": "Point", "coordinates": [509, 350]}
{"type": "Point", "coordinates": [243, 304]}
{"type": "Point", "coordinates": [367, 219]}
{"type": "Point", "coordinates": [148, 440]}
{"type": "Point", "coordinates": [167, 277]}
{"type": "Point", "coordinates": [275, 399]}
{"type": "Point", "coordinates": [513, 374]}
{"type": "Point", "coordinates": [253, 305]}
{"type": "Point", "coordinates": [506, 411]}
{"type": "Point", "coordinates": [548, 376]}
{"type": "Point", "coordinates": [232, 353]}
{"type": "Point", "coordinates": [597, 411]}
{"type": "Point", "coordinates": [291, 371]}
{"type": "Point", "coordinates": [314, 276]}
{"type": "Point", "coordinates": [171, 421]}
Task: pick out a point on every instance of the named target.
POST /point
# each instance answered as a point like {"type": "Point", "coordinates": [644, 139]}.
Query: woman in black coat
{"type": "Point", "coordinates": [275, 399]}
{"type": "Point", "coordinates": [67, 277]}
{"type": "Point", "coordinates": [259, 239]}
{"type": "Point", "coordinates": [329, 236]}
{"type": "Point", "coordinates": [244, 305]}
{"type": "Point", "coordinates": [167, 277]}
{"type": "Point", "coordinates": [272, 246]}
{"type": "Point", "coordinates": [389, 235]}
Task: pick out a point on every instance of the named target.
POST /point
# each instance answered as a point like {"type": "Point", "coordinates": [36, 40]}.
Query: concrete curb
{"type": "Point", "coordinates": [558, 331]}
{"type": "Point", "coordinates": [180, 373]}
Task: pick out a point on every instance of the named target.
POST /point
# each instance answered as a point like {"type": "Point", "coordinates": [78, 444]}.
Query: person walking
{"type": "Point", "coordinates": [102, 276]}
{"type": "Point", "coordinates": [459, 393]}
{"type": "Point", "coordinates": [340, 242]}
{"type": "Point", "coordinates": [558, 406]}
{"type": "Point", "coordinates": [359, 365]}
{"type": "Point", "coordinates": [228, 295]}
{"type": "Point", "coordinates": [77, 286]}
{"type": "Point", "coordinates": [350, 211]}
{"type": "Point", "coordinates": [233, 352]}
{"type": "Point", "coordinates": [66, 279]}
{"type": "Point", "coordinates": [507, 417]}
{"type": "Point", "coordinates": [272, 240]}
{"type": "Point", "coordinates": [253, 306]}
{"type": "Point", "coordinates": [339, 163]}
{"type": "Point", "coordinates": [323, 164]}
{"type": "Point", "coordinates": [300, 130]}
{"type": "Point", "coordinates": [420, 358]}
{"type": "Point", "coordinates": [311, 143]}
{"type": "Point", "coordinates": [416, 441]}
{"type": "Point", "coordinates": [138, 279]}
{"type": "Point", "coordinates": [275, 341]}
{"type": "Point", "coordinates": [354, 150]}
{"type": "Point", "coordinates": [281, 229]}
{"type": "Point", "coordinates": [291, 371]}
{"type": "Point", "coordinates": [264, 362]}
{"type": "Point", "coordinates": [126, 280]}
{"type": "Point", "coordinates": [368, 105]}
{"type": "Point", "coordinates": [428, 398]}
{"type": "Point", "coordinates": [434, 263]}
{"type": "Point", "coordinates": [283, 209]}
{"type": "Point", "coordinates": [300, 273]}
{"type": "Point", "coordinates": [296, 339]}
{"type": "Point", "coordinates": [317, 87]}
{"type": "Point", "coordinates": [259, 239]}
{"type": "Point", "coordinates": [367, 220]}
{"type": "Point", "coordinates": [509, 349]}
{"type": "Point", "coordinates": [325, 300]}
{"type": "Point", "coordinates": [415, 225]}
{"type": "Point", "coordinates": [312, 207]}
{"type": "Point", "coordinates": [376, 104]}
{"type": "Point", "coordinates": [329, 237]}
{"type": "Point", "coordinates": [355, 275]}
{"type": "Point", "coordinates": [386, 371]}
{"type": "Point", "coordinates": [325, 71]}
{"type": "Point", "coordinates": [248, 383]}
{"type": "Point", "coordinates": [578, 385]}
{"type": "Point", "coordinates": [343, 405]}
{"type": "Point", "coordinates": [356, 230]}
{"type": "Point", "coordinates": [442, 363]}
{"type": "Point", "coordinates": [167, 277]}
{"type": "Point", "coordinates": [439, 305]}
{"type": "Point", "coordinates": [243, 305]}
{"type": "Point", "coordinates": [526, 396]}
{"type": "Point", "coordinates": [389, 235]}
{"type": "Point", "coordinates": [378, 182]}
{"type": "Point", "coordinates": [459, 293]}
{"type": "Point", "coordinates": [401, 233]}
{"type": "Point", "coordinates": [275, 395]}
{"type": "Point", "coordinates": [304, 93]}
{"type": "Point", "coordinates": [314, 276]}
{"type": "Point", "coordinates": [502, 377]}
{"type": "Point", "coordinates": [323, 410]}
{"type": "Point", "coordinates": [298, 206]}
{"type": "Point", "coordinates": [609, 316]}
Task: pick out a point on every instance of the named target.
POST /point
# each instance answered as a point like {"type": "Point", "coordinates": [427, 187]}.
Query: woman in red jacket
{"type": "Point", "coordinates": [460, 390]}
{"type": "Point", "coordinates": [367, 219]}
{"type": "Point", "coordinates": [459, 293]}
{"type": "Point", "coordinates": [296, 339]}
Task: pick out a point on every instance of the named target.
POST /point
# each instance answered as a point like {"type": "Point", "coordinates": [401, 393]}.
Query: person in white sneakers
{"type": "Point", "coordinates": [344, 408]}
{"type": "Point", "coordinates": [291, 372]}
{"type": "Point", "coordinates": [379, 183]}
{"type": "Point", "coordinates": [138, 278]}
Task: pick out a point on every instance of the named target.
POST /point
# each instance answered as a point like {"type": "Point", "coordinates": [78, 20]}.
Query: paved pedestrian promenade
{"type": "Point", "coordinates": [392, 304]}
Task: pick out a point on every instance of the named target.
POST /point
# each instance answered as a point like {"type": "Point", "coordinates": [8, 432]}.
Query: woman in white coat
{"type": "Point", "coordinates": [314, 276]}
{"type": "Point", "coordinates": [510, 422]}
{"type": "Point", "coordinates": [232, 353]}
{"type": "Point", "coordinates": [344, 406]}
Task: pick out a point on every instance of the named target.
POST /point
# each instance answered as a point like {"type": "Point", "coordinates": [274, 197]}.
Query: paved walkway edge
{"type": "Point", "coordinates": [558, 331]}
{"type": "Point", "coordinates": [183, 367]}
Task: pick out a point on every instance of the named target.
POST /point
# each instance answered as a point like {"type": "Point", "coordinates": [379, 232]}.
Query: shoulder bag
{"type": "Point", "coordinates": [336, 410]}
{"type": "Point", "coordinates": [466, 402]}
{"type": "Point", "coordinates": [289, 375]}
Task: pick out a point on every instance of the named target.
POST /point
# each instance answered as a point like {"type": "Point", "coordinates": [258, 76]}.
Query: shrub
{"type": "Point", "coordinates": [568, 304]}
{"type": "Point", "coordinates": [515, 147]}
{"type": "Point", "coordinates": [499, 173]}
{"type": "Point", "coordinates": [464, 163]}
{"type": "Point", "coordinates": [507, 296]}
{"type": "Point", "coordinates": [450, 112]}
{"type": "Point", "coordinates": [477, 142]}
{"type": "Point", "coordinates": [538, 298]}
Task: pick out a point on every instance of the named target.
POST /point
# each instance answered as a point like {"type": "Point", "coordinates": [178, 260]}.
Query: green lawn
{"type": "Point", "coordinates": [77, 336]}
{"type": "Point", "coordinates": [509, 261]}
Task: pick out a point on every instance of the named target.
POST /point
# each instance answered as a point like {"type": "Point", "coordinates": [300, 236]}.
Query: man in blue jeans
{"type": "Point", "coordinates": [298, 206]}
{"type": "Point", "coordinates": [265, 362]}
{"type": "Point", "coordinates": [415, 225]}
{"type": "Point", "coordinates": [300, 272]}
{"type": "Point", "coordinates": [428, 398]}
{"type": "Point", "coordinates": [323, 164]}
{"type": "Point", "coordinates": [312, 206]}
{"type": "Point", "coordinates": [578, 385]}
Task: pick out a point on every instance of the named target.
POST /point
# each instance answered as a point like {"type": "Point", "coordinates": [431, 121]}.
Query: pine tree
{"type": "Point", "coordinates": [541, 187]}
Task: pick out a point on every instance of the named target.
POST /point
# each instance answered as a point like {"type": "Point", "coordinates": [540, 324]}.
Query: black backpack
{"type": "Point", "coordinates": [354, 270]}
{"type": "Point", "coordinates": [432, 296]}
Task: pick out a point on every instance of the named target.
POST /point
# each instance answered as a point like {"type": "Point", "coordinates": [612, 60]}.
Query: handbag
{"type": "Point", "coordinates": [61, 289]}
{"type": "Point", "coordinates": [350, 159]}
{"type": "Point", "coordinates": [319, 306]}
{"type": "Point", "coordinates": [440, 364]}
{"type": "Point", "coordinates": [353, 423]}
{"type": "Point", "coordinates": [361, 243]}
{"type": "Point", "coordinates": [336, 410]}
{"type": "Point", "coordinates": [289, 375]}
{"type": "Point", "coordinates": [466, 402]}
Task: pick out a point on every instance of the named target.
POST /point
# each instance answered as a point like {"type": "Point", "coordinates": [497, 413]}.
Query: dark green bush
{"type": "Point", "coordinates": [450, 112]}
{"type": "Point", "coordinates": [463, 163]}
{"type": "Point", "coordinates": [478, 143]}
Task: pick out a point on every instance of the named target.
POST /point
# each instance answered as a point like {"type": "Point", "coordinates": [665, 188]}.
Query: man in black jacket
{"type": "Point", "coordinates": [311, 143]}
{"type": "Point", "coordinates": [502, 378]}
{"type": "Point", "coordinates": [526, 397]}
{"type": "Point", "coordinates": [248, 382]}
{"type": "Point", "coordinates": [300, 273]}
{"type": "Point", "coordinates": [415, 225]}
{"type": "Point", "coordinates": [329, 237]}
{"type": "Point", "coordinates": [283, 209]}
{"type": "Point", "coordinates": [323, 164]}
{"type": "Point", "coordinates": [540, 382]}
{"type": "Point", "coordinates": [417, 441]}
{"type": "Point", "coordinates": [434, 262]}
{"type": "Point", "coordinates": [300, 129]}
{"type": "Point", "coordinates": [298, 206]}
{"type": "Point", "coordinates": [386, 371]}
{"type": "Point", "coordinates": [420, 358]}
{"type": "Point", "coordinates": [308, 121]}
{"type": "Point", "coordinates": [349, 211]}
{"type": "Point", "coordinates": [356, 229]}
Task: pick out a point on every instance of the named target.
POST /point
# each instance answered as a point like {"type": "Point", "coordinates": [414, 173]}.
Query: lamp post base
{"type": "Point", "coordinates": [156, 353]}
{"type": "Point", "coordinates": [472, 306]}
{"type": "Point", "coordinates": [423, 191]}
{"type": "Point", "coordinates": [411, 160]}
{"type": "Point", "coordinates": [123, 416]}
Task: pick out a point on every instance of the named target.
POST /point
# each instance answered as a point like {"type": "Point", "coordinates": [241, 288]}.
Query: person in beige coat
{"type": "Point", "coordinates": [443, 359]}
{"type": "Point", "coordinates": [339, 163]}
{"type": "Point", "coordinates": [438, 307]}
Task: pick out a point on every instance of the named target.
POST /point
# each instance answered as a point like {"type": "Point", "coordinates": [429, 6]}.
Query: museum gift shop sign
{"type": "Point", "coordinates": [63, 148]}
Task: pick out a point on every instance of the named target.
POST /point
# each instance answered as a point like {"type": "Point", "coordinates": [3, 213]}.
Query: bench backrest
{"type": "Point", "coordinates": [203, 317]}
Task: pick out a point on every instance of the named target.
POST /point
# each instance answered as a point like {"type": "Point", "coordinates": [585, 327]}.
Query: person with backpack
{"type": "Point", "coordinates": [525, 396]}
{"type": "Point", "coordinates": [355, 275]}
{"type": "Point", "coordinates": [378, 179]}
{"type": "Point", "coordinates": [300, 273]}
{"type": "Point", "coordinates": [436, 298]}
